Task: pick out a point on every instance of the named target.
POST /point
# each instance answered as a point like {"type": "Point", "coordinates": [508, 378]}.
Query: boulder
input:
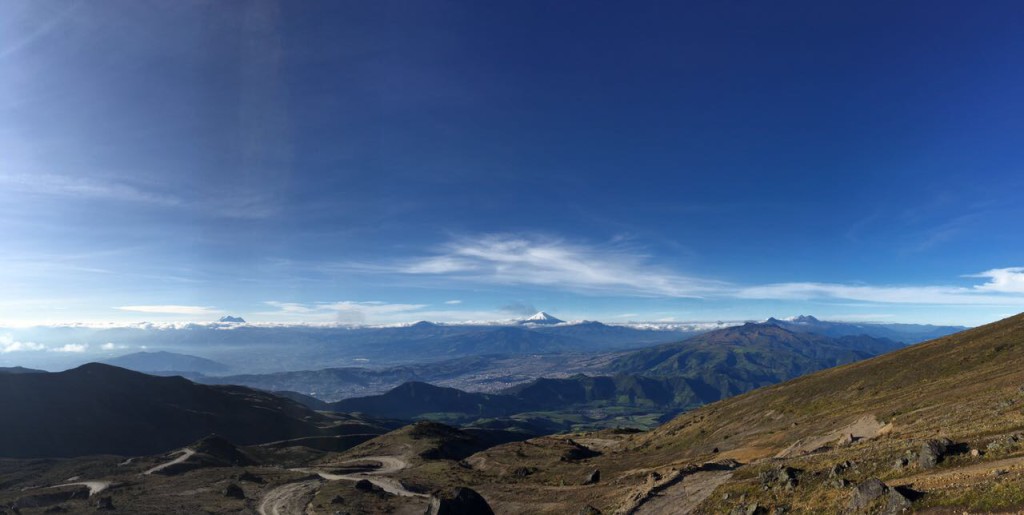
{"type": "Point", "coordinates": [234, 491]}
{"type": "Point", "coordinates": [588, 510]}
{"type": "Point", "coordinates": [844, 440]}
{"type": "Point", "coordinates": [752, 509]}
{"type": "Point", "coordinates": [593, 477]}
{"type": "Point", "coordinates": [250, 477]}
{"type": "Point", "coordinates": [105, 503]}
{"type": "Point", "coordinates": [458, 501]}
{"type": "Point", "coordinates": [874, 496]}
{"type": "Point", "coordinates": [838, 469]}
{"type": "Point", "coordinates": [932, 452]}
{"type": "Point", "coordinates": [779, 476]}
{"type": "Point", "coordinates": [364, 485]}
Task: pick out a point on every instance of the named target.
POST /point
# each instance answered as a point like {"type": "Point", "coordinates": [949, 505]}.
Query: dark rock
{"type": "Point", "coordinates": [105, 503]}
{"type": "Point", "coordinates": [338, 500]}
{"type": "Point", "coordinates": [593, 477]}
{"type": "Point", "coordinates": [522, 471]}
{"type": "Point", "coordinates": [1005, 443]}
{"type": "Point", "coordinates": [577, 452]}
{"type": "Point", "coordinates": [52, 509]}
{"type": "Point", "coordinates": [779, 476]}
{"type": "Point", "coordinates": [364, 485]}
{"type": "Point", "coordinates": [753, 509]}
{"type": "Point", "coordinates": [251, 478]}
{"type": "Point", "coordinates": [838, 469]}
{"type": "Point", "coordinates": [458, 501]}
{"type": "Point", "coordinates": [874, 496]}
{"type": "Point", "coordinates": [589, 510]}
{"type": "Point", "coordinates": [932, 452]}
{"type": "Point", "coordinates": [234, 491]}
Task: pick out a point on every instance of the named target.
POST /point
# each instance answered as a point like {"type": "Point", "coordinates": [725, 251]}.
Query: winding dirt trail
{"type": "Point", "coordinates": [864, 428]}
{"type": "Point", "coordinates": [686, 495]}
{"type": "Point", "coordinates": [289, 498]}
{"type": "Point", "coordinates": [185, 454]}
{"type": "Point", "coordinates": [293, 498]}
{"type": "Point", "coordinates": [955, 477]}
{"type": "Point", "coordinates": [94, 487]}
{"type": "Point", "coordinates": [388, 465]}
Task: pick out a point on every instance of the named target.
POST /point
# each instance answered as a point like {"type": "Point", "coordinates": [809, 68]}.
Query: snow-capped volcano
{"type": "Point", "coordinates": [543, 318]}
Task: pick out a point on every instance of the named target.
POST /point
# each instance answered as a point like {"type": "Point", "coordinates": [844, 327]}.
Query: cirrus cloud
{"type": "Point", "coordinates": [172, 309]}
{"type": "Point", "coordinates": [518, 260]}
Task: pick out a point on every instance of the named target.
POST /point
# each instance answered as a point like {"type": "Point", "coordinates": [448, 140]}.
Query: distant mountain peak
{"type": "Point", "coordinates": [805, 319]}
{"type": "Point", "coordinates": [228, 319]}
{"type": "Point", "coordinates": [543, 318]}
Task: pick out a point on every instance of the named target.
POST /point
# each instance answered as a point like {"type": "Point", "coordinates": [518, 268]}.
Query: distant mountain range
{"type": "Point", "coordinates": [904, 333]}
{"type": "Point", "coordinates": [668, 377]}
{"type": "Point", "coordinates": [249, 348]}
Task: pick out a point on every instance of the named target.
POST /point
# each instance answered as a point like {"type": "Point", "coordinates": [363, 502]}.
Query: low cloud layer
{"type": "Point", "coordinates": [8, 345]}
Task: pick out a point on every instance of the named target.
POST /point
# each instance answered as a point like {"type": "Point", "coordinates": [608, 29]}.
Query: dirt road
{"type": "Point", "coordinates": [185, 454]}
{"type": "Point", "coordinates": [389, 465]}
{"type": "Point", "coordinates": [686, 495]}
{"type": "Point", "coordinates": [289, 498]}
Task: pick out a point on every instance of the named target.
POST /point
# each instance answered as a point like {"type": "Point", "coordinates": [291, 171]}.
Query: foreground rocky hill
{"type": "Point", "coordinates": [935, 425]}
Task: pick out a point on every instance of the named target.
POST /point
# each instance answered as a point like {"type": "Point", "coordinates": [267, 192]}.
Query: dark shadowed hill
{"type": "Point", "coordinates": [101, 409]}
{"type": "Point", "coordinates": [20, 370]}
{"type": "Point", "coordinates": [413, 399]}
{"type": "Point", "coordinates": [622, 389]}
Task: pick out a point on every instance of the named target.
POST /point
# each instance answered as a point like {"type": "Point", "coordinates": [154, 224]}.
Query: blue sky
{"type": "Point", "coordinates": [372, 162]}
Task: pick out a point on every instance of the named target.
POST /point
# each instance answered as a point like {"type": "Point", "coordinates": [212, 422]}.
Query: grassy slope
{"type": "Point", "coordinates": [966, 387]}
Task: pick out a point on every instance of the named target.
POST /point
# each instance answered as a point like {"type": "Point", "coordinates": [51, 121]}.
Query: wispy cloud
{"type": "Point", "coordinates": [532, 260]}
{"type": "Point", "coordinates": [226, 203]}
{"type": "Point", "coordinates": [614, 270]}
{"type": "Point", "coordinates": [71, 186]}
{"type": "Point", "coordinates": [1006, 280]}
{"type": "Point", "coordinates": [172, 309]}
{"type": "Point", "coordinates": [25, 40]}
{"type": "Point", "coordinates": [373, 312]}
{"type": "Point", "coordinates": [924, 295]}
{"type": "Point", "coordinates": [343, 312]}
{"type": "Point", "coordinates": [453, 302]}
